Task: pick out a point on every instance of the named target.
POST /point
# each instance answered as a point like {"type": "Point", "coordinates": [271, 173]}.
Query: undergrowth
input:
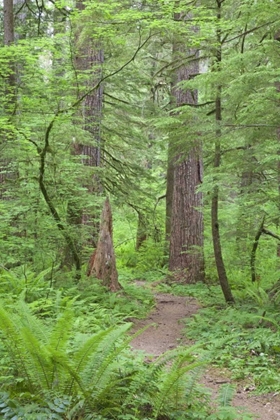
{"type": "Point", "coordinates": [64, 354]}
{"type": "Point", "coordinates": [245, 338]}
{"type": "Point", "coordinates": [51, 372]}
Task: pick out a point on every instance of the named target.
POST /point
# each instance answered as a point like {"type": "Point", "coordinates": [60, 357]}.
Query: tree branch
{"type": "Point", "coordinates": [251, 30]}
{"type": "Point", "coordinates": [254, 250]}
{"type": "Point", "coordinates": [268, 232]}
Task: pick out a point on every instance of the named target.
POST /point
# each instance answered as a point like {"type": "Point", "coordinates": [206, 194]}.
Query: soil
{"type": "Point", "coordinates": [166, 332]}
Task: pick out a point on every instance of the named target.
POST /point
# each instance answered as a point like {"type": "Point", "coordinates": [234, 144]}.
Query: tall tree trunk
{"type": "Point", "coordinates": [89, 60]}
{"type": "Point", "coordinates": [169, 193]}
{"type": "Point", "coordinates": [215, 197]}
{"type": "Point", "coordinates": [9, 35]}
{"type": "Point", "coordinates": [9, 99]}
{"type": "Point", "coordinates": [277, 86]}
{"type": "Point", "coordinates": [183, 178]}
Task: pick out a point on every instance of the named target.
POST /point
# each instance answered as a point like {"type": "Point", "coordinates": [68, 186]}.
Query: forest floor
{"type": "Point", "coordinates": [166, 332]}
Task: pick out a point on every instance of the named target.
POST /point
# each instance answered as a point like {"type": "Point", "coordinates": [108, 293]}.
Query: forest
{"type": "Point", "coordinates": [139, 142]}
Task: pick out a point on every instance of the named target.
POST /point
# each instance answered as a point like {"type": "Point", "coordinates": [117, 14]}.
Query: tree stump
{"type": "Point", "coordinates": [102, 263]}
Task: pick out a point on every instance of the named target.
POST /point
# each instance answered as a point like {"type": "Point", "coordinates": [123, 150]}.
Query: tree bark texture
{"type": "Point", "coordinates": [89, 58]}
{"type": "Point", "coordinates": [8, 22]}
{"type": "Point", "coordinates": [186, 239]}
{"type": "Point", "coordinates": [184, 175]}
{"type": "Point", "coordinates": [102, 264]}
{"type": "Point", "coordinates": [88, 61]}
{"type": "Point", "coordinates": [9, 99]}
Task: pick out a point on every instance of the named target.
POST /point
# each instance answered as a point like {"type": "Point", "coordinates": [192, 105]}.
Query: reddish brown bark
{"type": "Point", "coordinates": [102, 264]}
{"type": "Point", "coordinates": [186, 239]}
{"type": "Point", "coordinates": [185, 171]}
{"type": "Point", "coordinates": [8, 100]}
{"type": "Point", "coordinates": [89, 59]}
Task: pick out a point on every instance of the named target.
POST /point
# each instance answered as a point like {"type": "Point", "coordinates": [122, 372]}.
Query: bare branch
{"type": "Point", "coordinates": [268, 232]}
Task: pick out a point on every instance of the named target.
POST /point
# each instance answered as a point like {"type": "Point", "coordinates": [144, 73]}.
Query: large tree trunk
{"type": "Point", "coordinates": [6, 171]}
{"type": "Point", "coordinates": [183, 178]}
{"type": "Point", "coordinates": [186, 238]}
{"type": "Point", "coordinates": [102, 264]}
{"type": "Point", "coordinates": [8, 22]}
{"type": "Point", "coordinates": [89, 60]}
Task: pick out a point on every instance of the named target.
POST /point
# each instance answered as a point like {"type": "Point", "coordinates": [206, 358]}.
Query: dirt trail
{"type": "Point", "coordinates": [166, 333]}
{"type": "Point", "coordinates": [166, 322]}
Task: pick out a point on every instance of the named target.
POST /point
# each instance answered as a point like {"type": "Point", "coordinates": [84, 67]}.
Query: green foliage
{"type": "Point", "coordinates": [60, 374]}
{"type": "Point", "coordinates": [46, 354]}
{"type": "Point", "coordinates": [23, 281]}
{"type": "Point", "coordinates": [241, 338]}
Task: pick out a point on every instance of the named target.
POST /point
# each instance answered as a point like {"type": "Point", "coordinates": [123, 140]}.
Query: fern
{"type": "Point", "coordinates": [226, 395]}
{"type": "Point", "coordinates": [92, 374]}
{"type": "Point", "coordinates": [47, 360]}
{"type": "Point", "coordinates": [23, 281]}
{"type": "Point", "coordinates": [37, 359]}
{"type": "Point", "coordinates": [171, 381]}
{"type": "Point", "coordinates": [13, 343]}
{"type": "Point", "coordinates": [62, 330]}
{"type": "Point", "coordinates": [82, 356]}
{"type": "Point", "coordinates": [23, 317]}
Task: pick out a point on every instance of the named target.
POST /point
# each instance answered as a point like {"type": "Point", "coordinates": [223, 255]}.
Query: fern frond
{"type": "Point", "coordinates": [226, 395]}
{"type": "Point", "coordinates": [82, 356]}
{"type": "Point", "coordinates": [171, 380]}
{"type": "Point", "coordinates": [103, 360]}
{"type": "Point", "coordinates": [9, 333]}
{"type": "Point", "coordinates": [24, 317]}
{"type": "Point", "coordinates": [39, 364]}
{"type": "Point", "coordinates": [62, 330]}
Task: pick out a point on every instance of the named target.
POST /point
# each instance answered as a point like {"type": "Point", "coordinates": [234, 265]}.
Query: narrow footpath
{"type": "Point", "coordinates": [166, 332]}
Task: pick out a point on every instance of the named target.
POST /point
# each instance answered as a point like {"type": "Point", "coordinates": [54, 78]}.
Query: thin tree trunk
{"type": "Point", "coordinates": [277, 86]}
{"type": "Point", "coordinates": [169, 193]}
{"type": "Point", "coordinates": [215, 226]}
{"type": "Point", "coordinates": [215, 197]}
{"type": "Point", "coordinates": [278, 178]}
{"type": "Point", "coordinates": [254, 251]}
